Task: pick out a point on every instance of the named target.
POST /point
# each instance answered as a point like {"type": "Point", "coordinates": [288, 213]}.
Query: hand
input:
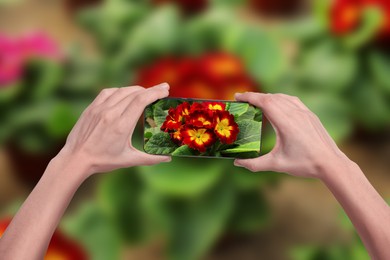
{"type": "Point", "coordinates": [302, 146]}
{"type": "Point", "coordinates": [101, 138]}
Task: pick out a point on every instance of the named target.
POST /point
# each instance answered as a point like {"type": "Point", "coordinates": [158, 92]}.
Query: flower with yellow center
{"type": "Point", "coordinates": [225, 127]}
{"type": "Point", "coordinates": [198, 139]}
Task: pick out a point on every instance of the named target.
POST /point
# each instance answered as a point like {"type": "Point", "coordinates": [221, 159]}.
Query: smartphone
{"type": "Point", "coordinates": [202, 128]}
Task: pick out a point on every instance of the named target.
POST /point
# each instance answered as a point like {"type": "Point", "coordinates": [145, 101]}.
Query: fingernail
{"type": "Point", "coordinates": [237, 164]}
{"type": "Point", "coordinates": [164, 85]}
{"type": "Point", "coordinates": [237, 95]}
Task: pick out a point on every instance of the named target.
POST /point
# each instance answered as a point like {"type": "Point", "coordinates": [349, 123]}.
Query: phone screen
{"type": "Point", "coordinates": [202, 128]}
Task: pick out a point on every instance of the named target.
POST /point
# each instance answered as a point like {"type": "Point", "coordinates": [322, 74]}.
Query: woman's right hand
{"type": "Point", "coordinates": [303, 146]}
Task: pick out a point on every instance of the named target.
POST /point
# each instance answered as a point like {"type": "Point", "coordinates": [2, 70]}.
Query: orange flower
{"type": "Point", "coordinates": [225, 127]}
{"type": "Point", "coordinates": [60, 247]}
{"type": "Point", "coordinates": [176, 136]}
{"type": "Point", "coordinates": [198, 138]}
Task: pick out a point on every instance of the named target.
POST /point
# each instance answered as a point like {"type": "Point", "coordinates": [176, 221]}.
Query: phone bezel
{"type": "Point", "coordinates": [198, 100]}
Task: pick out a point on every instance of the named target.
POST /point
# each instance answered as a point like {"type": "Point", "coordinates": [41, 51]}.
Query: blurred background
{"type": "Point", "coordinates": [56, 55]}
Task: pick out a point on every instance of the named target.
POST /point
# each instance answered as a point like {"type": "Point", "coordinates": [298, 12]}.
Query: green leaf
{"type": "Point", "coordinates": [247, 147]}
{"type": "Point", "coordinates": [259, 51]}
{"type": "Point", "coordinates": [380, 67]}
{"type": "Point", "coordinates": [160, 143]}
{"type": "Point", "coordinates": [251, 212]}
{"type": "Point", "coordinates": [120, 194]}
{"type": "Point", "coordinates": [183, 177]}
{"type": "Point", "coordinates": [249, 132]}
{"type": "Point", "coordinates": [327, 68]}
{"type": "Point", "coordinates": [184, 150]}
{"type": "Point", "coordinates": [62, 119]}
{"type": "Point", "coordinates": [92, 228]}
{"type": "Point", "coordinates": [238, 109]}
{"type": "Point", "coordinates": [332, 111]}
{"type": "Point", "coordinates": [372, 19]}
{"type": "Point", "coordinates": [193, 226]}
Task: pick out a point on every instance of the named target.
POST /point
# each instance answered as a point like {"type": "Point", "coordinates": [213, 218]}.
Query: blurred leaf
{"type": "Point", "coordinates": [62, 119]}
{"type": "Point", "coordinates": [250, 213]}
{"type": "Point", "coordinates": [160, 143]}
{"type": "Point", "coordinates": [260, 52]}
{"type": "Point", "coordinates": [183, 177]}
{"type": "Point", "coordinates": [325, 67]}
{"type": "Point", "coordinates": [156, 35]}
{"type": "Point", "coordinates": [206, 31]}
{"type": "Point", "coordinates": [246, 180]}
{"type": "Point", "coordinates": [332, 111]}
{"type": "Point", "coordinates": [372, 20]}
{"type": "Point", "coordinates": [380, 67]}
{"type": "Point", "coordinates": [370, 107]}
{"type": "Point", "coordinates": [94, 230]}
{"type": "Point", "coordinates": [9, 92]}
{"type": "Point", "coordinates": [120, 194]}
{"type": "Point", "coordinates": [46, 79]}
{"type": "Point", "coordinates": [194, 225]}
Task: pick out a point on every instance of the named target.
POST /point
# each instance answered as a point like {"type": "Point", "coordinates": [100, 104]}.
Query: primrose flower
{"type": "Point", "coordinates": [215, 106]}
{"type": "Point", "coordinates": [201, 119]}
{"type": "Point", "coordinates": [183, 109]}
{"type": "Point", "coordinates": [225, 127]}
{"type": "Point", "coordinates": [176, 136]}
{"type": "Point", "coordinates": [173, 121]}
{"type": "Point", "coordinates": [198, 138]}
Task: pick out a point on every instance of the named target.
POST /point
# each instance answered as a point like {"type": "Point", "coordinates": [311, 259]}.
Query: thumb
{"type": "Point", "coordinates": [262, 163]}
{"type": "Point", "coordinates": [138, 158]}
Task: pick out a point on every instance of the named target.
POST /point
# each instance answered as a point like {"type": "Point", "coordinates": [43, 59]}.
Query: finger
{"type": "Point", "coordinates": [135, 108]}
{"type": "Point", "coordinates": [103, 95]}
{"type": "Point", "coordinates": [120, 94]}
{"type": "Point", "coordinates": [262, 163]}
{"type": "Point", "coordinates": [141, 158]}
{"type": "Point", "coordinates": [266, 102]}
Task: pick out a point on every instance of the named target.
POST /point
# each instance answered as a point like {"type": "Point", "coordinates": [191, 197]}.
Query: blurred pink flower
{"type": "Point", "coordinates": [11, 61]}
{"type": "Point", "coordinates": [15, 53]}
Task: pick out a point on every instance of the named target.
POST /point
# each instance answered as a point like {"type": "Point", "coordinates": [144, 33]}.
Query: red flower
{"type": "Point", "coordinates": [201, 119]}
{"type": "Point", "coordinates": [183, 109]}
{"type": "Point", "coordinates": [60, 247]}
{"type": "Point", "coordinates": [211, 76]}
{"type": "Point", "coordinates": [225, 127]}
{"type": "Point", "coordinates": [346, 15]}
{"type": "Point", "coordinates": [198, 138]}
{"type": "Point", "coordinates": [176, 136]}
{"type": "Point", "coordinates": [173, 120]}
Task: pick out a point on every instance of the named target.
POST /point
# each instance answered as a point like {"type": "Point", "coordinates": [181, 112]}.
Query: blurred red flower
{"type": "Point", "coordinates": [60, 246]}
{"type": "Point", "coordinates": [346, 15]}
{"type": "Point", "coordinates": [15, 53]}
{"type": "Point", "coordinates": [211, 76]}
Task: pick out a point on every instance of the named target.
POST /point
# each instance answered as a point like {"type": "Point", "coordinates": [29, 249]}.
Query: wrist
{"type": "Point", "coordinates": [337, 168]}
{"type": "Point", "coordinates": [73, 165]}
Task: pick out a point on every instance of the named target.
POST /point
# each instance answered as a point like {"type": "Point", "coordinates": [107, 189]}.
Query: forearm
{"type": "Point", "coordinates": [367, 210]}
{"type": "Point", "coordinates": [30, 231]}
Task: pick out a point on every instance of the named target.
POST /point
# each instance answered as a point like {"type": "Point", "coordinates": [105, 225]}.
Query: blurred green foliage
{"type": "Point", "coordinates": [39, 110]}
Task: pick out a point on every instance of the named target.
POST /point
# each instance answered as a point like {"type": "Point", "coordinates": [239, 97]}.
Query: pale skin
{"type": "Point", "coordinates": [101, 141]}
